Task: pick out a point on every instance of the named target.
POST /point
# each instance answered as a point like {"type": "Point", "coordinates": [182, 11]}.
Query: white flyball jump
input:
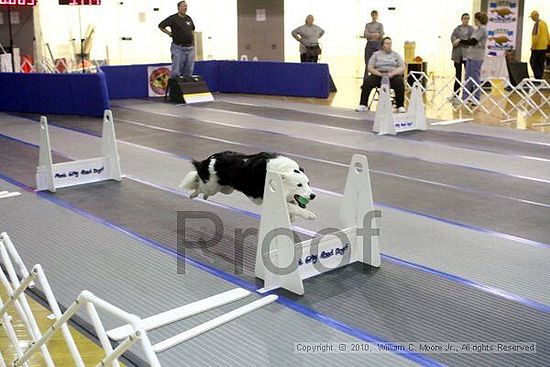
{"type": "Point", "coordinates": [281, 263]}
{"type": "Point", "coordinates": [387, 122]}
{"type": "Point", "coordinates": [50, 176]}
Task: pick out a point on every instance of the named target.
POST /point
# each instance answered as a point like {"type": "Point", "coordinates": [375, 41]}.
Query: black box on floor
{"type": "Point", "coordinates": [517, 71]}
{"type": "Point", "coordinates": [179, 87]}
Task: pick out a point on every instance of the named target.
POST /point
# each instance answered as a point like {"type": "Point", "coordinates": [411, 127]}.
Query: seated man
{"type": "Point", "coordinates": [384, 63]}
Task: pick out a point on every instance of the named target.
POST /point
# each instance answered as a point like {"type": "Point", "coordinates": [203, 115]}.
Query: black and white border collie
{"type": "Point", "coordinates": [228, 171]}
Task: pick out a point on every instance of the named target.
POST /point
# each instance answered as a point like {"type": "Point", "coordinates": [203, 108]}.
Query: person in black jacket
{"type": "Point", "coordinates": [182, 48]}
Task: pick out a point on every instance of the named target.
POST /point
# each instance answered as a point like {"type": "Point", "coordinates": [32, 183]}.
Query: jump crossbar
{"type": "Point", "coordinates": [181, 313]}
{"type": "Point", "coordinates": [214, 323]}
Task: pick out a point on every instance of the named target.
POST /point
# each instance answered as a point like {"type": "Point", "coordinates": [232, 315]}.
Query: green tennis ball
{"type": "Point", "coordinates": [303, 200]}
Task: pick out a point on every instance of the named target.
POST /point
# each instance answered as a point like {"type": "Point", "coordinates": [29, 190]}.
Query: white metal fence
{"type": "Point", "coordinates": [528, 98]}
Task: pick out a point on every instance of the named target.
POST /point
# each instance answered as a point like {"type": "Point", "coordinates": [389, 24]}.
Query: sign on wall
{"type": "Point", "coordinates": [158, 80]}
{"type": "Point", "coordinates": [18, 2]}
{"type": "Point", "coordinates": [79, 2]}
{"type": "Point", "coordinates": [502, 25]}
{"type": "Point", "coordinates": [261, 15]}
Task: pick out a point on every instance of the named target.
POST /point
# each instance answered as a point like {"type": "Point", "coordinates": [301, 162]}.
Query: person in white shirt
{"type": "Point", "coordinates": [308, 35]}
{"type": "Point", "coordinates": [384, 63]}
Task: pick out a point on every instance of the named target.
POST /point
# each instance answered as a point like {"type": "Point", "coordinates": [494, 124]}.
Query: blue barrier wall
{"type": "Point", "coordinates": [252, 77]}
{"type": "Point", "coordinates": [89, 94]}
{"type": "Point", "coordinates": [60, 94]}
{"type": "Point", "coordinates": [278, 78]}
{"type": "Point", "coordinates": [130, 81]}
{"type": "Point", "coordinates": [126, 81]}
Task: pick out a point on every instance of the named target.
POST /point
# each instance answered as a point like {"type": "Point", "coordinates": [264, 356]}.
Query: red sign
{"type": "Point", "coordinates": [79, 2]}
{"type": "Point", "coordinates": [18, 2]}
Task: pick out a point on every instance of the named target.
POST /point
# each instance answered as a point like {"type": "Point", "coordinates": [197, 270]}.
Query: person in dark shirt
{"type": "Point", "coordinates": [182, 48]}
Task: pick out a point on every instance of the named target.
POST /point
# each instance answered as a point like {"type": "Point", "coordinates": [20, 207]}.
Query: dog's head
{"type": "Point", "coordinates": [296, 187]}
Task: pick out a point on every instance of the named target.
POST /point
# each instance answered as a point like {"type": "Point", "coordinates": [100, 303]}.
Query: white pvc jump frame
{"type": "Point", "coordinates": [133, 330]}
{"type": "Point", "coordinates": [50, 176]}
{"type": "Point", "coordinates": [281, 251]}
{"type": "Point", "coordinates": [387, 122]}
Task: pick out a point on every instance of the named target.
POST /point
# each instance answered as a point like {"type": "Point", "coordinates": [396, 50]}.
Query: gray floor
{"type": "Point", "coordinates": [464, 140]}
{"type": "Point", "coordinates": [466, 245]}
{"type": "Point", "coordinates": [78, 253]}
{"type": "Point", "coordinates": [416, 186]}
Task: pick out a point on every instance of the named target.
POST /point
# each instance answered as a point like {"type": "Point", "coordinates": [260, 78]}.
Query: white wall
{"type": "Point", "coordinates": [60, 24]}
{"type": "Point", "coordinates": [217, 19]}
{"type": "Point", "coordinates": [429, 23]}
{"type": "Point", "coordinates": [148, 45]}
{"type": "Point", "coordinates": [342, 47]}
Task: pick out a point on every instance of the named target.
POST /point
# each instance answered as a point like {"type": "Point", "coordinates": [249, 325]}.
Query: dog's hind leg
{"type": "Point", "coordinates": [194, 194]}
{"type": "Point", "coordinates": [257, 201]}
{"type": "Point", "coordinates": [226, 190]}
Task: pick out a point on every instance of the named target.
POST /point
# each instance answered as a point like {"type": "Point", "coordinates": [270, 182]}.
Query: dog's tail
{"type": "Point", "coordinates": [191, 181]}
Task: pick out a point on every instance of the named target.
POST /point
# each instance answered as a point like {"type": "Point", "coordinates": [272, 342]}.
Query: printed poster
{"type": "Point", "coordinates": [502, 26]}
{"type": "Point", "coordinates": [158, 80]}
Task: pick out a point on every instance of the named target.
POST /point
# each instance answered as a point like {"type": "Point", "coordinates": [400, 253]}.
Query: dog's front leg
{"type": "Point", "coordinates": [294, 210]}
{"type": "Point", "coordinates": [292, 217]}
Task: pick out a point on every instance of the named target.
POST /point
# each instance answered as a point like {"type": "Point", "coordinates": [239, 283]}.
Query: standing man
{"type": "Point", "coordinates": [539, 44]}
{"type": "Point", "coordinates": [374, 32]}
{"type": "Point", "coordinates": [182, 48]}
{"type": "Point", "coordinates": [308, 35]}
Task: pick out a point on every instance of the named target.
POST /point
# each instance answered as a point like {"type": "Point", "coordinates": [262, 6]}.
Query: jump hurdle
{"type": "Point", "coordinates": [133, 330]}
{"type": "Point", "coordinates": [283, 264]}
{"type": "Point", "coordinates": [387, 122]}
{"type": "Point", "coordinates": [50, 176]}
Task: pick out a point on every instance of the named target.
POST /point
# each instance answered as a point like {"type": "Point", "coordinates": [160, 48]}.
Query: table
{"type": "Point", "coordinates": [494, 67]}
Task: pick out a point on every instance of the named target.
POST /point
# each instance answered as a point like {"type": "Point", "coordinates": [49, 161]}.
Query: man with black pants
{"type": "Point", "coordinates": [540, 41]}
{"type": "Point", "coordinates": [182, 48]}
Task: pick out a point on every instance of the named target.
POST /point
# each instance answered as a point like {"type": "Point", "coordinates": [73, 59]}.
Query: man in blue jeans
{"type": "Point", "coordinates": [182, 48]}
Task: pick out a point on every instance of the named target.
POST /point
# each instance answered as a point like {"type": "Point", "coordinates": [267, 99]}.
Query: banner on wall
{"type": "Point", "coordinates": [158, 80]}
{"type": "Point", "coordinates": [502, 26]}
